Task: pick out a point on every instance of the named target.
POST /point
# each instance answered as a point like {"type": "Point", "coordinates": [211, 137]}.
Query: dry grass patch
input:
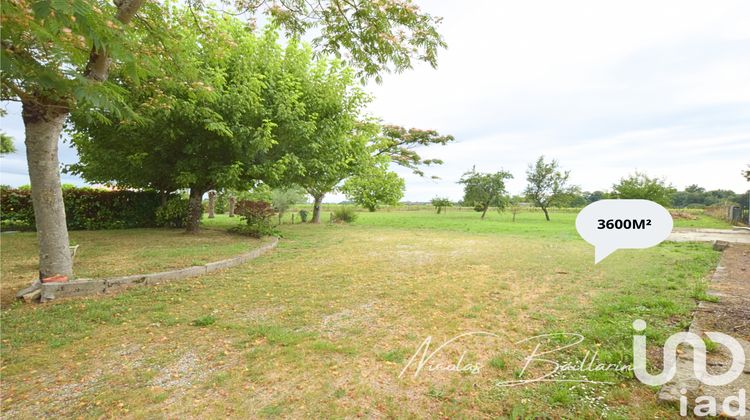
{"type": "Point", "coordinates": [323, 326]}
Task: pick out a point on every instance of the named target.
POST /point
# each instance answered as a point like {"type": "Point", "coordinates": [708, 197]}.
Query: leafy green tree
{"type": "Point", "coordinates": [440, 203]}
{"type": "Point", "coordinates": [56, 56]}
{"type": "Point", "coordinates": [323, 143]}
{"type": "Point", "coordinates": [746, 173]}
{"type": "Point", "coordinates": [484, 190]}
{"type": "Point", "coordinates": [547, 185]}
{"type": "Point", "coordinates": [640, 185]}
{"type": "Point", "coordinates": [374, 187]}
{"type": "Point", "coordinates": [212, 117]}
{"type": "Point", "coordinates": [374, 36]}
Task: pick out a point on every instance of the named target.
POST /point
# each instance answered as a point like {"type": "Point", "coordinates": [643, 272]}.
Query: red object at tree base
{"type": "Point", "coordinates": [55, 279]}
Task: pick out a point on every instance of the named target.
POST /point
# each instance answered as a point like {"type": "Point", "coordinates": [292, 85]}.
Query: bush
{"type": "Point", "coordinates": [303, 215]}
{"type": "Point", "coordinates": [85, 208]}
{"type": "Point", "coordinates": [257, 216]}
{"type": "Point", "coordinates": [173, 214]}
{"type": "Point", "coordinates": [222, 203]}
{"type": "Point", "coordinates": [17, 211]}
{"type": "Point", "coordinates": [344, 214]}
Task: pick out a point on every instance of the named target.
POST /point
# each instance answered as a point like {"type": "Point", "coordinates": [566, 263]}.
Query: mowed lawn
{"type": "Point", "coordinates": [118, 252]}
{"type": "Point", "coordinates": [324, 325]}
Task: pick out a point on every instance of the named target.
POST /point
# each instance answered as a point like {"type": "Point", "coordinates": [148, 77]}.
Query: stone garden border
{"type": "Point", "coordinates": [46, 292]}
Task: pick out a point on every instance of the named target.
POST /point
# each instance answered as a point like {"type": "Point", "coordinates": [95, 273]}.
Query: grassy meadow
{"type": "Point", "coordinates": [324, 325]}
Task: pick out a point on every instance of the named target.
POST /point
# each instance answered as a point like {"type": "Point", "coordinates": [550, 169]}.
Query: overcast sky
{"type": "Point", "coordinates": [604, 87]}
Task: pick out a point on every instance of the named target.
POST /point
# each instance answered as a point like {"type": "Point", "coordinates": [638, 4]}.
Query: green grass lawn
{"type": "Point", "coordinates": [322, 326]}
{"type": "Point", "coordinates": [119, 252]}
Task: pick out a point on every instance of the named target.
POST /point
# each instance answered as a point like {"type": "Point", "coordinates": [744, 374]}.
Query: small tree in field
{"type": "Point", "coordinates": [640, 185]}
{"type": "Point", "coordinates": [548, 186]}
{"type": "Point", "coordinates": [374, 187]}
{"type": "Point", "coordinates": [441, 202]}
{"type": "Point", "coordinates": [483, 190]}
{"type": "Point", "coordinates": [514, 205]}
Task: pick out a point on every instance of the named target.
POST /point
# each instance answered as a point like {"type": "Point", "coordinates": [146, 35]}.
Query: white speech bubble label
{"type": "Point", "coordinates": [610, 225]}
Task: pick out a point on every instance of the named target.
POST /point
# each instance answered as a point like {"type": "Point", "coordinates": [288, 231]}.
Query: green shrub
{"type": "Point", "coordinates": [257, 216]}
{"type": "Point", "coordinates": [15, 224]}
{"type": "Point", "coordinates": [344, 214]}
{"type": "Point", "coordinates": [222, 203]}
{"type": "Point", "coordinates": [17, 212]}
{"type": "Point", "coordinates": [173, 213]}
{"type": "Point", "coordinates": [85, 208]}
{"type": "Point", "coordinates": [303, 215]}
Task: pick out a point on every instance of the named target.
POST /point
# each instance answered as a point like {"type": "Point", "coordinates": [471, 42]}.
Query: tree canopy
{"type": "Point", "coordinates": [399, 144]}
{"type": "Point", "coordinates": [375, 186]}
{"type": "Point", "coordinates": [56, 56]}
{"type": "Point", "coordinates": [209, 125]}
{"type": "Point", "coordinates": [640, 185]}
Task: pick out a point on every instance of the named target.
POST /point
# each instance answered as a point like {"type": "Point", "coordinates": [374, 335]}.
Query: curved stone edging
{"type": "Point", "coordinates": [87, 287]}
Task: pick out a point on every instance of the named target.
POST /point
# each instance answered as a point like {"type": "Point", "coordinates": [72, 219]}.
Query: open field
{"type": "Point", "coordinates": [528, 221]}
{"type": "Point", "coordinates": [324, 325]}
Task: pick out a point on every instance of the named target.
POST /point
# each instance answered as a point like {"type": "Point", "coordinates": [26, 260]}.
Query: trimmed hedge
{"type": "Point", "coordinates": [85, 209]}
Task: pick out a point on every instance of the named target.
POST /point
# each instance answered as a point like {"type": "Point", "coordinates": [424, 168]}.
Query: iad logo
{"type": "Point", "coordinates": [707, 403]}
{"type": "Point", "coordinates": [699, 357]}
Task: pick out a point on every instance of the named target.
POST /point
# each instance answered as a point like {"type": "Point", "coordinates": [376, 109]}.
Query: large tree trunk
{"type": "Point", "coordinates": [486, 207]}
{"type": "Point", "coordinates": [43, 127]}
{"type": "Point", "coordinates": [546, 214]}
{"type": "Point", "coordinates": [211, 204]}
{"type": "Point", "coordinates": [195, 210]}
{"type": "Point", "coordinates": [43, 121]}
{"type": "Point", "coordinates": [317, 203]}
{"type": "Point", "coordinates": [232, 203]}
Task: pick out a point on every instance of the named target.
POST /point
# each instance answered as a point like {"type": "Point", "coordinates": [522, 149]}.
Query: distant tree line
{"type": "Point", "coordinates": [547, 186]}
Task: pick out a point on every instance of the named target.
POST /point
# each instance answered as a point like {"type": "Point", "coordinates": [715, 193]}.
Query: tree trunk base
{"type": "Point", "coordinates": [43, 127]}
